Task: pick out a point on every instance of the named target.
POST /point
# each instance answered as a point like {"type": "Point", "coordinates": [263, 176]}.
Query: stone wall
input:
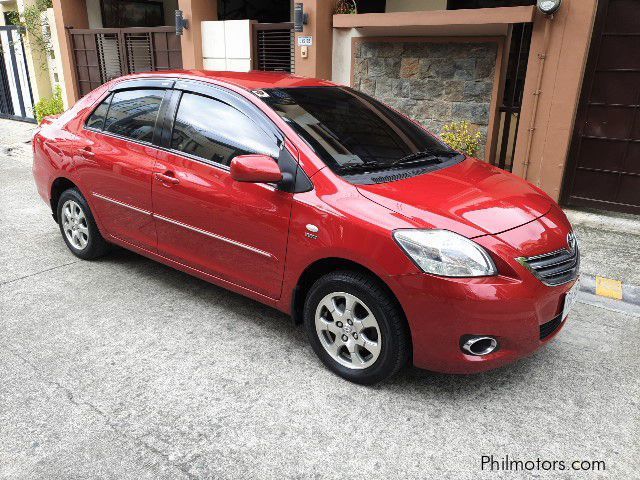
{"type": "Point", "coordinates": [433, 83]}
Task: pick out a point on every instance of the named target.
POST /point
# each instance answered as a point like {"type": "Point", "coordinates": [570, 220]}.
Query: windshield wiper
{"type": "Point", "coordinates": [362, 167]}
{"type": "Point", "coordinates": [418, 157]}
{"type": "Point", "coordinates": [424, 156]}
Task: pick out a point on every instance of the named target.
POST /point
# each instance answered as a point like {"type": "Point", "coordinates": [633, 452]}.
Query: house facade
{"type": "Point", "coordinates": [556, 97]}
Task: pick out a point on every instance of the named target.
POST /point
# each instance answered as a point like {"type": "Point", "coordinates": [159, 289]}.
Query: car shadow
{"type": "Point", "coordinates": [409, 381]}
{"type": "Point", "coordinates": [479, 384]}
{"type": "Point", "coordinates": [183, 284]}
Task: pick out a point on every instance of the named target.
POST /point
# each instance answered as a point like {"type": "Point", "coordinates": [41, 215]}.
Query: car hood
{"type": "Point", "coordinates": [471, 198]}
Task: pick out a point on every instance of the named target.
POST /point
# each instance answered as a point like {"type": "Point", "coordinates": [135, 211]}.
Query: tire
{"type": "Point", "coordinates": [78, 227]}
{"type": "Point", "coordinates": [358, 360]}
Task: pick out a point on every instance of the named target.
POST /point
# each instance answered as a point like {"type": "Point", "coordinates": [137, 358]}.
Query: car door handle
{"type": "Point", "coordinates": [167, 178]}
{"type": "Point", "coordinates": [86, 152]}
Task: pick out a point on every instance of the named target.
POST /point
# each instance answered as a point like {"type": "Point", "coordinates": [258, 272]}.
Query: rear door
{"type": "Point", "coordinates": [235, 231]}
{"type": "Point", "coordinates": [117, 161]}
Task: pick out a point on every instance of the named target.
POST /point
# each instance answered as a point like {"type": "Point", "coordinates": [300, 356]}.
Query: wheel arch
{"type": "Point", "coordinates": [58, 186]}
{"type": "Point", "coordinates": [327, 265]}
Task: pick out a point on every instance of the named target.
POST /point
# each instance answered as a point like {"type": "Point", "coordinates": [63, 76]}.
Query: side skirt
{"type": "Point", "coordinates": [271, 302]}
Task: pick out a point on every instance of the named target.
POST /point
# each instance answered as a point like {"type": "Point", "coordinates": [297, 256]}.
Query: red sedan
{"type": "Point", "coordinates": [319, 201]}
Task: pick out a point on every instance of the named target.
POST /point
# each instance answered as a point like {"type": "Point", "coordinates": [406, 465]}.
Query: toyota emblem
{"type": "Point", "coordinates": [571, 241]}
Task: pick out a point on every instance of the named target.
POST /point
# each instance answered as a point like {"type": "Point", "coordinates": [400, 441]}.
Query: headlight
{"type": "Point", "coordinates": [445, 253]}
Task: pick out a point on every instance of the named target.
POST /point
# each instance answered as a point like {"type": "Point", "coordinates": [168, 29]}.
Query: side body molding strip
{"type": "Point", "coordinates": [184, 225]}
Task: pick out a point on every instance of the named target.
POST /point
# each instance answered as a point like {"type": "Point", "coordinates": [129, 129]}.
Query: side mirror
{"type": "Point", "coordinates": [255, 169]}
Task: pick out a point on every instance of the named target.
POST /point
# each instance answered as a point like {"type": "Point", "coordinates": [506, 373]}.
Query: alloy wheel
{"type": "Point", "coordinates": [348, 330]}
{"type": "Point", "coordinates": [74, 225]}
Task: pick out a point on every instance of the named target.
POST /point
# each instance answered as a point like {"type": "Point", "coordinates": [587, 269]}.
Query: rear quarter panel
{"type": "Point", "coordinates": [55, 144]}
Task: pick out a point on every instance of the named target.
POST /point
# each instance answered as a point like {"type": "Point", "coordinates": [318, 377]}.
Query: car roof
{"type": "Point", "coordinates": [253, 80]}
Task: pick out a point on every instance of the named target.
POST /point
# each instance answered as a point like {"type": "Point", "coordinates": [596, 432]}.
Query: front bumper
{"type": "Point", "coordinates": [442, 311]}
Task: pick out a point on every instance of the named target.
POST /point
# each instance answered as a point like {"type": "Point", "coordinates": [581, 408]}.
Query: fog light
{"type": "Point", "coordinates": [480, 346]}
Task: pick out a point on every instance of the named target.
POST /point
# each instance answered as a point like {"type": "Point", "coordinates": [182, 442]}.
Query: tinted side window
{"type": "Point", "coordinates": [96, 119]}
{"type": "Point", "coordinates": [216, 131]}
{"type": "Point", "coordinates": [133, 113]}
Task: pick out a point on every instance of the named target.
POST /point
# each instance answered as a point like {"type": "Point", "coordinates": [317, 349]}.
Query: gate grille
{"type": "Point", "coordinates": [103, 54]}
{"type": "Point", "coordinates": [274, 47]}
{"type": "Point", "coordinates": [16, 97]}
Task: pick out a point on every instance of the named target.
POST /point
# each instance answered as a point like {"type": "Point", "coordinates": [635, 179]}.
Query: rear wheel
{"type": "Point", "coordinates": [355, 327]}
{"type": "Point", "coordinates": [78, 227]}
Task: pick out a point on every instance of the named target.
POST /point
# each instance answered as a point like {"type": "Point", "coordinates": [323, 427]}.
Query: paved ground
{"type": "Point", "coordinates": [124, 368]}
{"type": "Point", "coordinates": [610, 244]}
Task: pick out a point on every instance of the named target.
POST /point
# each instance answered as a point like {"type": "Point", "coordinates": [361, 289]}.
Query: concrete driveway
{"type": "Point", "coordinates": [123, 368]}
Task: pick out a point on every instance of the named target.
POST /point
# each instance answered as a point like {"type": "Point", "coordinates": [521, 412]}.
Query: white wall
{"type": "Point", "coordinates": [35, 60]}
{"type": "Point", "coordinates": [55, 63]}
{"type": "Point", "coordinates": [415, 5]}
{"type": "Point", "coordinates": [341, 60]}
{"type": "Point", "coordinates": [226, 45]}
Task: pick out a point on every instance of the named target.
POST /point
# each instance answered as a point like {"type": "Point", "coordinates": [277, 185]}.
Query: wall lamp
{"type": "Point", "coordinates": [549, 7]}
{"type": "Point", "coordinates": [181, 22]}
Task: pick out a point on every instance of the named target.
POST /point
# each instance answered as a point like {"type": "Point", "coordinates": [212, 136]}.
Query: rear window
{"type": "Point", "coordinates": [96, 119]}
{"type": "Point", "coordinates": [133, 113]}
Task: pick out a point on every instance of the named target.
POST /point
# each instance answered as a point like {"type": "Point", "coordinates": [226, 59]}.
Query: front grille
{"type": "Point", "coordinates": [548, 328]}
{"type": "Point", "coordinates": [554, 268]}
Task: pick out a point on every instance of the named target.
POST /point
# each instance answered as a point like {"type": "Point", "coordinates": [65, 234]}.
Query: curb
{"type": "Point", "coordinates": [630, 293]}
{"type": "Point", "coordinates": [627, 224]}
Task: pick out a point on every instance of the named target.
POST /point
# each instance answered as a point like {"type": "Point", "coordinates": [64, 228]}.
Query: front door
{"type": "Point", "coordinates": [206, 220]}
{"type": "Point", "coordinates": [604, 162]}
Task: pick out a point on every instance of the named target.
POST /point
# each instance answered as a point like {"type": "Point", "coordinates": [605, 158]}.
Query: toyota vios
{"type": "Point", "coordinates": [319, 201]}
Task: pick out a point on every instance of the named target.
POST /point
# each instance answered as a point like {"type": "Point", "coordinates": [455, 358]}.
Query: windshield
{"type": "Point", "coordinates": [352, 132]}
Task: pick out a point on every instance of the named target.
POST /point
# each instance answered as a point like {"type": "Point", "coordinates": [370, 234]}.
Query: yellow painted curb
{"type": "Point", "coordinates": [607, 287]}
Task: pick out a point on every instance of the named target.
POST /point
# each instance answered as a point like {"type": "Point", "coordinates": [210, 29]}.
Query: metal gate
{"type": "Point", "coordinates": [16, 96]}
{"type": "Point", "coordinates": [273, 48]}
{"type": "Point", "coordinates": [603, 170]}
{"type": "Point", "coordinates": [511, 105]}
{"type": "Point", "coordinates": [101, 54]}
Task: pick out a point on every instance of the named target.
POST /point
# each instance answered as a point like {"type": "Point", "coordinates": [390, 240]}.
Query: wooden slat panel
{"type": "Point", "coordinates": [102, 54]}
{"type": "Point", "coordinates": [139, 55]}
{"type": "Point", "coordinates": [109, 55]}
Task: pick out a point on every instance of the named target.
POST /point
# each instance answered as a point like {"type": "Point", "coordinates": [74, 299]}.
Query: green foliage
{"type": "Point", "coordinates": [31, 21]}
{"type": "Point", "coordinates": [12, 17]}
{"type": "Point", "coordinates": [50, 105]}
{"type": "Point", "coordinates": [461, 136]}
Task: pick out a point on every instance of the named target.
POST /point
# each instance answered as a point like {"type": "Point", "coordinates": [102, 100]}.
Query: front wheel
{"type": "Point", "coordinates": [356, 327]}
